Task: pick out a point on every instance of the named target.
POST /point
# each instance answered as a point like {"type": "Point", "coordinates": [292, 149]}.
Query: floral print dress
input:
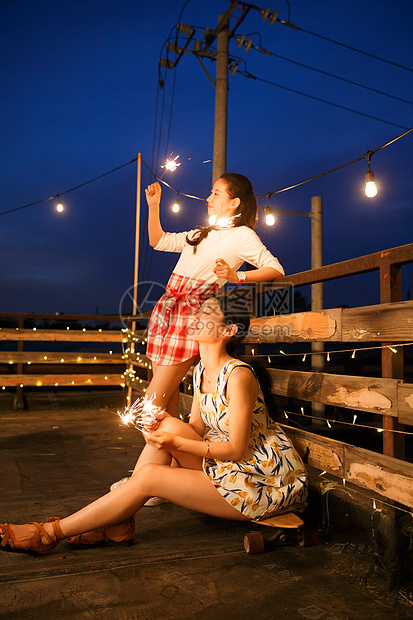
{"type": "Point", "coordinates": [272, 477]}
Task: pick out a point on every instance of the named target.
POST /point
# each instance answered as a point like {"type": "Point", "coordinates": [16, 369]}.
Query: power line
{"type": "Point", "coordinates": [249, 75]}
{"type": "Point", "coordinates": [354, 49]}
{"type": "Point", "coordinates": [337, 77]}
{"type": "Point", "coordinates": [320, 36]}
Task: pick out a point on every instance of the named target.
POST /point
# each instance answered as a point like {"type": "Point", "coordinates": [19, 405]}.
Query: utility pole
{"type": "Point", "coordinates": [219, 160]}
{"type": "Point", "coordinates": [201, 50]}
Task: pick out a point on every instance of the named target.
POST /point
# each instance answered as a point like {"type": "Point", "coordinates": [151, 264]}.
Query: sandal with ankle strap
{"type": "Point", "coordinates": [35, 545]}
{"type": "Point", "coordinates": [112, 535]}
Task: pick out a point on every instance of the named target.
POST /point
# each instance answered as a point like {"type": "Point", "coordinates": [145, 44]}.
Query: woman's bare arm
{"type": "Point", "coordinates": [153, 198]}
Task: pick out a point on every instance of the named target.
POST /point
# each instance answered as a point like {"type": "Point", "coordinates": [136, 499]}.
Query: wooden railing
{"type": "Point", "coordinates": [45, 367]}
{"type": "Point", "coordinates": [387, 395]}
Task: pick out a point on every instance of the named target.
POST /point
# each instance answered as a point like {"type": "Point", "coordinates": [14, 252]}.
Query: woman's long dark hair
{"type": "Point", "coordinates": [235, 311]}
{"type": "Point", "coordinates": [237, 186]}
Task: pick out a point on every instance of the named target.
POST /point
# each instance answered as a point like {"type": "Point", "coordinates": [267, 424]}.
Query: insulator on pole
{"type": "Point", "coordinates": [185, 29]}
{"type": "Point", "coordinates": [273, 18]}
{"type": "Point", "coordinates": [265, 13]}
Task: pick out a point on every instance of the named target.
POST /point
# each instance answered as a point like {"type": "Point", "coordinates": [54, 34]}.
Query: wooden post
{"type": "Point", "coordinates": [392, 363]}
{"type": "Point", "coordinates": [136, 269]}
{"type": "Point", "coordinates": [19, 398]}
{"type": "Point", "coordinates": [317, 291]}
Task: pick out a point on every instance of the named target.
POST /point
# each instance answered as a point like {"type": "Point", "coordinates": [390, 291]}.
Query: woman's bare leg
{"type": "Point", "coordinates": [150, 454]}
{"type": "Point", "coordinates": [165, 382]}
{"type": "Point", "coordinates": [189, 488]}
{"type": "Point", "coordinates": [165, 386]}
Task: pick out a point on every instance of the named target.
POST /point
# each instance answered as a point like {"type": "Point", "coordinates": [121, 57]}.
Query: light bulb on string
{"type": "Point", "coordinates": [269, 216]}
{"type": "Point", "coordinates": [59, 206]}
{"type": "Point", "coordinates": [371, 188]}
{"type": "Point", "coordinates": [175, 206]}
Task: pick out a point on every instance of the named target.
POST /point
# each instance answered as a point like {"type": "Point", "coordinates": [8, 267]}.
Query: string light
{"type": "Point", "coordinates": [269, 215]}
{"type": "Point", "coordinates": [371, 188]}
{"type": "Point", "coordinates": [371, 428]}
{"type": "Point", "coordinates": [176, 164]}
{"type": "Point", "coordinates": [59, 206]}
{"type": "Point", "coordinates": [404, 344]}
{"type": "Point", "coordinates": [175, 206]}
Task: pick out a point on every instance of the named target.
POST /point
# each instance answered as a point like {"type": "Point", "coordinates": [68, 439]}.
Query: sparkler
{"type": "Point", "coordinates": [224, 222]}
{"type": "Point", "coordinates": [171, 164]}
{"type": "Point", "coordinates": [142, 414]}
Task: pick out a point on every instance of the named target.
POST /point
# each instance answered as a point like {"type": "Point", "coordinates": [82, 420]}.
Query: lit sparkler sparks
{"type": "Point", "coordinates": [171, 164]}
{"type": "Point", "coordinates": [226, 221]}
{"type": "Point", "coordinates": [142, 414]}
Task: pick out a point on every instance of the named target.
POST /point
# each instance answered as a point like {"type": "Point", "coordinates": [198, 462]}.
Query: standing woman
{"type": "Point", "coordinates": [210, 256]}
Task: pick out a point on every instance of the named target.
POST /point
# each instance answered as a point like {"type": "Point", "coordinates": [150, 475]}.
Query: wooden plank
{"type": "Point", "coordinates": [389, 477]}
{"type": "Point", "coordinates": [359, 393]}
{"type": "Point", "coordinates": [402, 255]}
{"type": "Point", "coordinates": [382, 474]}
{"type": "Point", "coordinates": [25, 357]}
{"type": "Point", "coordinates": [320, 452]}
{"type": "Point", "coordinates": [405, 403]}
{"type": "Point", "coordinates": [299, 327]}
{"type": "Point", "coordinates": [60, 380]}
{"type": "Point", "coordinates": [391, 322]}
{"type": "Point", "coordinates": [67, 335]}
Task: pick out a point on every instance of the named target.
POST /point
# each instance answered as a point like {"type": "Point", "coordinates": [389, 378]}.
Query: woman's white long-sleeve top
{"type": "Point", "coordinates": [234, 245]}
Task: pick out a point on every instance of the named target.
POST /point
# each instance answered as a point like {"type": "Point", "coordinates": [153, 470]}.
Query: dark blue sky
{"type": "Point", "coordinates": [79, 85]}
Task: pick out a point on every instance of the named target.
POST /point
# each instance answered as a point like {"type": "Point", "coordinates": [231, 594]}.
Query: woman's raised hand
{"type": "Point", "coordinates": [153, 194]}
{"type": "Point", "coordinates": [223, 270]}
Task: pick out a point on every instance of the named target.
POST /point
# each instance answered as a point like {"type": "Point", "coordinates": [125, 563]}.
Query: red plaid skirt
{"type": "Point", "coordinates": [167, 330]}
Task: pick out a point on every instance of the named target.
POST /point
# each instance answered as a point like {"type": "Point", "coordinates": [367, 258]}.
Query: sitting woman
{"type": "Point", "coordinates": [234, 462]}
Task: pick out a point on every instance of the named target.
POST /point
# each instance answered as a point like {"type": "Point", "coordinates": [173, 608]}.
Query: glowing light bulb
{"type": "Point", "coordinates": [59, 206]}
{"type": "Point", "coordinates": [175, 206]}
{"type": "Point", "coordinates": [371, 189]}
{"type": "Point", "coordinates": [269, 216]}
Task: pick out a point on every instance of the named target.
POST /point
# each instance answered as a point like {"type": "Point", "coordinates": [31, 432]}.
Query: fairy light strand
{"type": "Point", "coordinates": [393, 349]}
{"type": "Point", "coordinates": [198, 197]}
{"type": "Point", "coordinates": [329, 421]}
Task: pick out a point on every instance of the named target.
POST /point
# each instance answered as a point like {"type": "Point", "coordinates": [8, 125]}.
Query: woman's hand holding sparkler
{"type": "Point", "coordinates": [143, 414]}
{"type": "Point", "coordinates": [153, 195]}
{"type": "Point", "coordinates": [223, 270]}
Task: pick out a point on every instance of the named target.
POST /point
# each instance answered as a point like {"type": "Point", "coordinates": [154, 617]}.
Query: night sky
{"type": "Point", "coordinates": [80, 97]}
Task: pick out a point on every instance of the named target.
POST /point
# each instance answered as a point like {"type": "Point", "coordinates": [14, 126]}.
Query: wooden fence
{"type": "Point", "coordinates": [45, 367]}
